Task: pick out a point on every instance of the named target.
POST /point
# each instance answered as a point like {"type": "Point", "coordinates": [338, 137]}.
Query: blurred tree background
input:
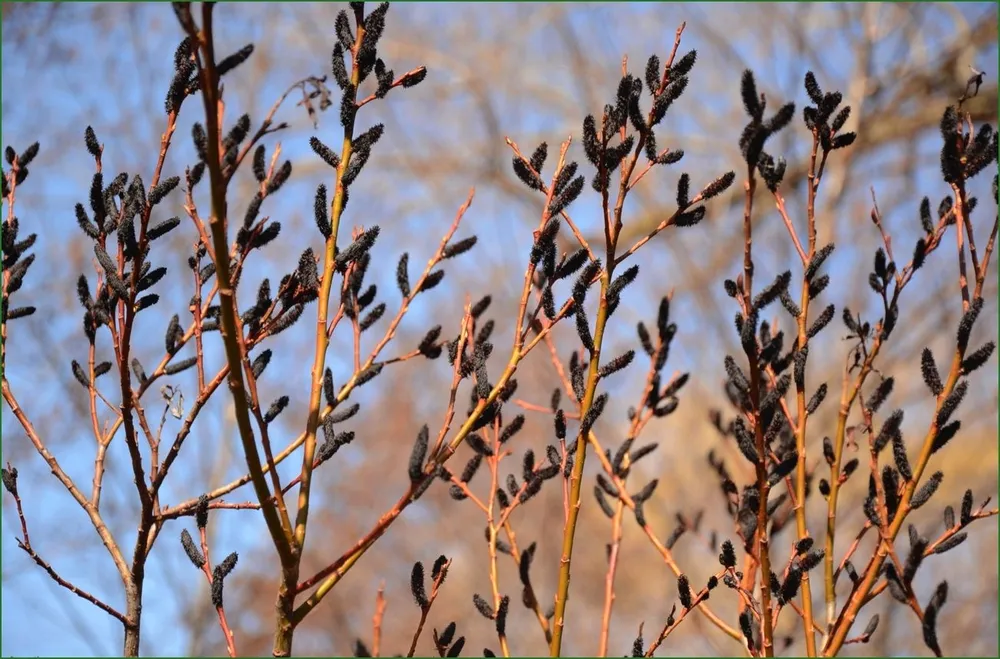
{"type": "Point", "coordinates": [529, 72]}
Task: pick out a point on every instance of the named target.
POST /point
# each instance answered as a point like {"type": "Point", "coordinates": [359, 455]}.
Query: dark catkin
{"type": "Point", "coordinates": [684, 591]}
{"type": "Point", "coordinates": [817, 399]}
{"type": "Point", "coordinates": [966, 511]}
{"type": "Point", "coordinates": [321, 211]}
{"type": "Point", "coordinates": [951, 403]}
{"type": "Point", "coordinates": [427, 482]}
{"type": "Point", "coordinates": [880, 394]}
{"type": "Point", "coordinates": [718, 186]}
{"type": "Point", "coordinates": [617, 364]}
{"type": "Point", "coordinates": [607, 486]}
{"type": "Point", "coordinates": [432, 280]}
{"type": "Point", "coordinates": [852, 574]}
{"type": "Point", "coordinates": [566, 196]}
{"type": "Point", "coordinates": [201, 512]}
{"type": "Point", "coordinates": [645, 340]}
{"type": "Point", "coordinates": [618, 461]}
{"type": "Point", "coordinates": [9, 479]}
{"type": "Point", "coordinates": [812, 268]}
{"type": "Point", "coordinates": [230, 62]}
{"type": "Point", "coordinates": [870, 628]}
{"type": "Point", "coordinates": [584, 280]}
{"type": "Point", "coordinates": [90, 139]}
{"type": "Point", "coordinates": [622, 281]}
{"type": "Point", "coordinates": [511, 429]}
{"type": "Point", "coordinates": [372, 317]}
{"type": "Point", "coordinates": [736, 375]}
{"type": "Point", "coordinates": [745, 441]}
{"type": "Point", "coordinates": [80, 375]}
{"type": "Point", "coordinates": [646, 492]}
{"type": "Point", "coordinates": [138, 370]}
{"type": "Point", "coordinates": [640, 516]}
{"type": "Point", "coordinates": [890, 485]}
{"type": "Point", "coordinates": [683, 190]}
{"type": "Point", "coordinates": [799, 361]}
{"type": "Point", "coordinates": [674, 536]}
{"type": "Point", "coordinates": [523, 171]}
{"type": "Point", "coordinates": [790, 587]}
{"type": "Point", "coordinates": [276, 408]}
{"type": "Point", "coordinates": [583, 330]}
{"type": "Point", "coordinates": [978, 357]}
{"type": "Point", "coordinates": [638, 644]}
{"type": "Point", "coordinates": [339, 416]}
{"type": "Point", "coordinates": [927, 490]}
{"type": "Point", "coordinates": [772, 291]}
{"type": "Point", "coordinates": [512, 486]}
{"type": "Point", "coordinates": [642, 452]}
{"type": "Point", "coordinates": [480, 307]}
{"type": "Point", "coordinates": [929, 626]}
{"type": "Point", "coordinates": [482, 606]}
{"type": "Point", "coordinates": [728, 556]}
{"type": "Point", "coordinates": [456, 649]}
{"type": "Point", "coordinates": [438, 571]}
{"type": "Point", "coordinates": [357, 249]}
{"type": "Point", "coordinates": [821, 321]}
{"type": "Point", "coordinates": [180, 366]}
{"type": "Point", "coordinates": [746, 627]}
{"type": "Point", "coordinates": [811, 559]}
{"type": "Point", "coordinates": [333, 441]}
{"type": "Point", "coordinates": [690, 218]}
{"type": "Point", "coordinates": [890, 429]}
{"type": "Point", "coordinates": [945, 435]}
{"type": "Point", "coordinates": [899, 456]}
{"type": "Point", "coordinates": [417, 587]}
{"type": "Point", "coordinates": [817, 286]}
{"type": "Point", "coordinates": [590, 418]}
{"type": "Point", "coordinates": [369, 374]}
{"type": "Point", "coordinates": [158, 193]}
{"type": "Point", "coordinates": [219, 575]}
{"type": "Point", "coordinates": [949, 517]}
{"type": "Point", "coordinates": [914, 559]}
{"type": "Point", "coordinates": [930, 372]}
{"type": "Point", "coordinates": [279, 178]}
{"type": "Point", "coordinates": [479, 445]}
{"type": "Point", "coordinates": [328, 390]}
{"type": "Point", "coordinates": [950, 543]}
{"type": "Point", "coordinates": [501, 616]}
{"type": "Point", "coordinates": [418, 454]}
{"type": "Point", "coordinates": [193, 553]}
{"type": "Point", "coordinates": [849, 468]}
{"type": "Point", "coordinates": [566, 175]}
{"type": "Point", "coordinates": [269, 233]}
{"type": "Point", "coordinates": [966, 324]}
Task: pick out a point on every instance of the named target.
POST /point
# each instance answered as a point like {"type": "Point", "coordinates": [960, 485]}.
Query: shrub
{"type": "Point", "coordinates": [770, 561]}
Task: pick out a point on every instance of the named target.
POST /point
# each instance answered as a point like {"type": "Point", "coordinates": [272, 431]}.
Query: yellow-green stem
{"type": "Point", "coordinates": [286, 618]}
{"type": "Point", "coordinates": [846, 402]}
{"type": "Point", "coordinates": [576, 478]}
{"type": "Point", "coordinates": [227, 299]}
{"type": "Point", "coordinates": [801, 529]}
{"type": "Point", "coordinates": [860, 593]}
